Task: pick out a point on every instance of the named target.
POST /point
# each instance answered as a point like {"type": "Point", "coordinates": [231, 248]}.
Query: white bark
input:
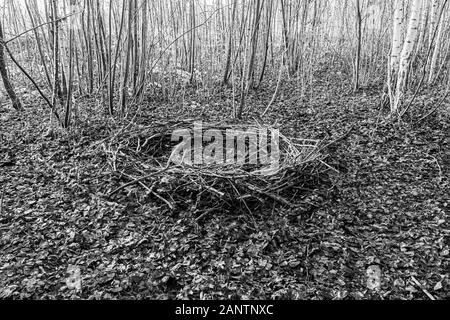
{"type": "Point", "coordinates": [433, 17]}
{"type": "Point", "coordinates": [408, 46]}
{"type": "Point", "coordinates": [423, 25]}
{"type": "Point", "coordinates": [434, 60]}
{"type": "Point", "coordinates": [397, 36]}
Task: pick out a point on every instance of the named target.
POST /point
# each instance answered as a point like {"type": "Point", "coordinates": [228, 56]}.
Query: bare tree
{"type": "Point", "coordinates": [358, 45]}
{"type": "Point", "coordinates": [5, 77]}
{"type": "Point", "coordinates": [405, 60]}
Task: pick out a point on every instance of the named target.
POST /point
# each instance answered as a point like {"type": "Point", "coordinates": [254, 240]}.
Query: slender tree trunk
{"type": "Point", "coordinates": [116, 57]}
{"type": "Point", "coordinates": [110, 68]}
{"type": "Point", "coordinates": [226, 75]}
{"type": "Point", "coordinates": [358, 45]}
{"type": "Point", "coordinates": [433, 17]}
{"type": "Point", "coordinates": [397, 37]}
{"type": "Point", "coordinates": [127, 54]}
{"type": "Point", "coordinates": [254, 45]}
{"type": "Point", "coordinates": [423, 26]}
{"type": "Point", "coordinates": [135, 53]}
{"type": "Point", "coordinates": [193, 42]}
{"type": "Point", "coordinates": [4, 73]}
{"type": "Point", "coordinates": [68, 115]}
{"type": "Point", "coordinates": [56, 59]}
{"type": "Point", "coordinates": [408, 46]}
{"type": "Point", "coordinates": [440, 24]}
{"type": "Point", "coordinates": [267, 39]}
{"type": "Point", "coordinates": [38, 43]}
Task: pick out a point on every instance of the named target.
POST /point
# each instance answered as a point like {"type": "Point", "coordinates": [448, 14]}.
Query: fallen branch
{"type": "Point", "coordinates": [429, 295]}
{"type": "Point", "coordinates": [139, 180]}
{"type": "Point", "coordinates": [338, 139]}
{"type": "Point", "coordinates": [1, 201]}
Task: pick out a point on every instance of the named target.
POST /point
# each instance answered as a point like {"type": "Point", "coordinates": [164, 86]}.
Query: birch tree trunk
{"type": "Point", "coordinates": [397, 37]}
{"type": "Point", "coordinates": [405, 59]}
{"type": "Point", "coordinates": [433, 17]}
{"type": "Point", "coordinates": [423, 26]}
{"type": "Point", "coordinates": [440, 23]}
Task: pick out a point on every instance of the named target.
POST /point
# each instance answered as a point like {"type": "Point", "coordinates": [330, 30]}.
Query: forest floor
{"type": "Point", "coordinates": [389, 206]}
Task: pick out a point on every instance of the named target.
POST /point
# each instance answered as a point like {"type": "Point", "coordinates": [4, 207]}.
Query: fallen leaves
{"type": "Point", "coordinates": [60, 237]}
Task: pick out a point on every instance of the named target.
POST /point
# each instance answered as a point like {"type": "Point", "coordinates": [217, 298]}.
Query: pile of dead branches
{"type": "Point", "coordinates": [144, 157]}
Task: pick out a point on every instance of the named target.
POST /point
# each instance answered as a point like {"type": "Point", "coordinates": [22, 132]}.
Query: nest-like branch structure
{"type": "Point", "coordinates": [144, 156]}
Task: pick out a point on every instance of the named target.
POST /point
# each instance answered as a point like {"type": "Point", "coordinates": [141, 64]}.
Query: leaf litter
{"type": "Point", "coordinates": [385, 210]}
